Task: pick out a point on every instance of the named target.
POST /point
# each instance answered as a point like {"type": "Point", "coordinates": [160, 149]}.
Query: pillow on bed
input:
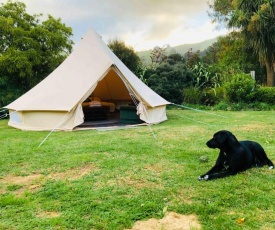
{"type": "Point", "coordinates": [94, 98]}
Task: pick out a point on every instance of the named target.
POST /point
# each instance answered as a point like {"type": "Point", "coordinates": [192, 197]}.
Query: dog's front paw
{"type": "Point", "coordinates": [203, 177]}
{"type": "Point", "coordinates": [271, 167]}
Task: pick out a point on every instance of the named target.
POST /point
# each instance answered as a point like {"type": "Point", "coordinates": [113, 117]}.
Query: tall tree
{"type": "Point", "coordinates": [231, 55]}
{"type": "Point", "coordinates": [30, 49]}
{"type": "Point", "coordinates": [255, 19]}
{"type": "Point", "coordinates": [158, 55]}
{"type": "Point", "coordinates": [126, 54]}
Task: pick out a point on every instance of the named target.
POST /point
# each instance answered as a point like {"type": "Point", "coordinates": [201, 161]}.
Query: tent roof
{"type": "Point", "coordinates": [65, 87]}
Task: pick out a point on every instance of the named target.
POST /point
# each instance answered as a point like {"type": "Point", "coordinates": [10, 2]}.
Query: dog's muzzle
{"type": "Point", "coordinates": [211, 144]}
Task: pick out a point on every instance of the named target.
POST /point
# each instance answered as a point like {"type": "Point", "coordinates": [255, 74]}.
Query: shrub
{"type": "Point", "coordinates": [191, 95]}
{"type": "Point", "coordinates": [242, 88]}
{"type": "Point", "coordinates": [256, 106]}
{"type": "Point", "coordinates": [222, 105]}
{"type": "Point", "coordinates": [261, 106]}
{"type": "Point", "coordinates": [266, 94]}
{"type": "Point", "coordinates": [169, 80]}
{"type": "Point", "coordinates": [212, 96]}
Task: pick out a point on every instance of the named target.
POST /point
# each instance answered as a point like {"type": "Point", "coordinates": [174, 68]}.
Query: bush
{"type": "Point", "coordinates": [169, 80]}
{"type": "Point", "coordinates": [242, 88]}
{"type": "Point", "coordinates": [266, 94]}
{"type": "Point", "coordinates": [256, 106]}
{"type": "Point", "coordinates": [192, 95]}
{"type": "Point", "coordinates": [212, 96]}
{"type": "Point", "coordinates": [260, 106]}
{"type": "Point", "coordinates": [222, 106]}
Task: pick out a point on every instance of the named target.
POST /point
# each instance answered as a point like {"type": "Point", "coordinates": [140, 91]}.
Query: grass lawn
{"type": "Point", "coordinates": [111, 179]}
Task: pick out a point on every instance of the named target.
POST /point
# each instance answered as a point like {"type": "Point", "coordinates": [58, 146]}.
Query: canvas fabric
{"type": "Point", "coordinates": [55, 103]}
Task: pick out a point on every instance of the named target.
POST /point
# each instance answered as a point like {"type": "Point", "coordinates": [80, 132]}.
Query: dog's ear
{"type": "Point", "coordinates": [222, 136]}
{"type": "Point", "coordinates": [231, 140]}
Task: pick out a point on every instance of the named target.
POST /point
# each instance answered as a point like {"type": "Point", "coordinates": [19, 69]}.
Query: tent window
{"type": "Point", "coordinates": [15, 117]}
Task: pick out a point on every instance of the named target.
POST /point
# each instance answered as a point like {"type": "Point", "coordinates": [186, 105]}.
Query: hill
{"type": "Point", "coordinates": [181, 49]}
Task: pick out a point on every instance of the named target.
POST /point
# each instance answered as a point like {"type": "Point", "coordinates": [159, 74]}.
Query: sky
{"type": "Point", "coordinates": [141, 24]}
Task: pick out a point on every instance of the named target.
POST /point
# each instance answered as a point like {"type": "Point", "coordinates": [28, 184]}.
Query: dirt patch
{"type": "Point", "coordinates": [33, 182]}
{"type": "Point", "coordinates": [48, 215]}
{"type": "Point", "coordinates": [171, 221]}
{"type": "Point", "coordinates": [30, 183]}
{"type": "Point", "coordinates": [22, 180]}
{"type": "Point", "coordinates": [138, 183]}
{"type": "Point", "coordinates": [157, 169]}
{"type": "Point", "coordinates": [73, 174]}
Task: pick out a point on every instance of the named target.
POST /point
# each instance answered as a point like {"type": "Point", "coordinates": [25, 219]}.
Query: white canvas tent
{"type": "Point", "coordinates": [92, 68]}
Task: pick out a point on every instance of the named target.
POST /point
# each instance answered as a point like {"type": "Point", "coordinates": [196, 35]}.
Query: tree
{"type": "Point", "coordinates": [231, 55]}
{"type": "Point", "coordinates": [126, 54]}
{"type": "Point", "coordinates": [174, 58]}
{"type": "Point", "coordinates": [168, 80]}
{"type": "Point", "coordinates": [255, 19]}
{"type": "Point", "coordinates": [158, 55]}
{"type": "Point", "coordinates": [192, 57]}
{"type": "Point", "coordinates": [30, 49]}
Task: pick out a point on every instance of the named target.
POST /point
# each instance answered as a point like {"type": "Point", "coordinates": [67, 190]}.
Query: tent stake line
{"type": "Point", "coordinates": [198, 110]}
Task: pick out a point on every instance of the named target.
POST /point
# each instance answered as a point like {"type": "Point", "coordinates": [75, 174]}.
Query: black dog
{"type": "Point", "coordinates": [235, 156]}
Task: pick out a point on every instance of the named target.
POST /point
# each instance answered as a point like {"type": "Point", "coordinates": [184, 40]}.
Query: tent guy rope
{"type": "Point", "coordinates": [185, 117]}
{"type": "Point", "coordinates": [136, 104]}
{"type": "Point", "coordinates": [57, 125]}
{"type": "Point", "coordinates": [198, 110]}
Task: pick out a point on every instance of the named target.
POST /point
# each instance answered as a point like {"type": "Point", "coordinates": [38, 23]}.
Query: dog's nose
{"type": "Point", "coordinates": [210, 144]}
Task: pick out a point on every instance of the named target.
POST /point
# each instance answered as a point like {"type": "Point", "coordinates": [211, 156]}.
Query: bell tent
{"type": "Point", "coordinates": [92, 71]}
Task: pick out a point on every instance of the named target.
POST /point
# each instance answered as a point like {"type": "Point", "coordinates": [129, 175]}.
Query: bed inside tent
{"type": "Point", "coordinates": [110, 103]}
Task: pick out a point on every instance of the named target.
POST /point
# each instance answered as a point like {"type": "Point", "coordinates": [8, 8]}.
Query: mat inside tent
{"type": "Point", "coordinates": [112, 123]}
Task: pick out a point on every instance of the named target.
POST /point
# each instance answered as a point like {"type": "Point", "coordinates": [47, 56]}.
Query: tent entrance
{"type": "Point", "coordinates": [109, 103]}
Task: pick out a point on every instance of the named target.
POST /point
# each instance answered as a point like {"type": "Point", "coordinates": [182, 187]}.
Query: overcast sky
{"type": "Point", "coordinates": [142, 24]}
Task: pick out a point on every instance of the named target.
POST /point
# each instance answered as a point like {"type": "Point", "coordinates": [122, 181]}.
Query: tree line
{"type": "Point", "coordinates": [30, 49]}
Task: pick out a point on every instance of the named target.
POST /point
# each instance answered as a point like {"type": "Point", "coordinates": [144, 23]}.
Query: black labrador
{"type": "Point", "coordinates": [235, 156]}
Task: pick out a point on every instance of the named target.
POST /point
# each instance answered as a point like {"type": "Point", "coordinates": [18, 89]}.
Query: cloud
{"type": "Point", "coordinates": [140, 23]}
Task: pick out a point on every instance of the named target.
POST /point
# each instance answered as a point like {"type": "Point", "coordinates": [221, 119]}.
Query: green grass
{"type": "Point", "coordinates": [110, 179]}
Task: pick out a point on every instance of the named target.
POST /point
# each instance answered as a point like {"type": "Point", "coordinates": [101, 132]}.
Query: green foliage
{"type": "Point", "coordinates": [222, 105]}
{"type": "Point", "coordinates": [8, 92]}
{"type": "Point", "coordinates": [205, 84]}
{"type": "Point", "coordinates": [203, 78]}
{"type": "Point", "coordinates": [212, 96]}
{"type": "Point", "coordinates": [206, 97]}
{"type": "Point", "coordinates": [141, 75]}
{"type": "Point", "coordinates": [175, 58]}
{"type": "Point", "coordinates": [192, 57]}
{"type": "Point", "coordinates": [126, 54]}
{"type": "Point", "coordinates": [231, 55]}
{"type": "Point", "coordinates": [255, 106]}
{"type": "Point", "coordinates": [169, 80]}
{"type": "Point", "coordinates": [29, 49]}
{"type": "Point", "coordinates": [158, 55]}
{"type": "Point", "coordinates": [254, 20]}
{"type": "Point", "coordinates": [192, 95]}
{"type": "Point", "coordinates": [266, 94]}
{"type": "Point", "coordinates": [241, 88]}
